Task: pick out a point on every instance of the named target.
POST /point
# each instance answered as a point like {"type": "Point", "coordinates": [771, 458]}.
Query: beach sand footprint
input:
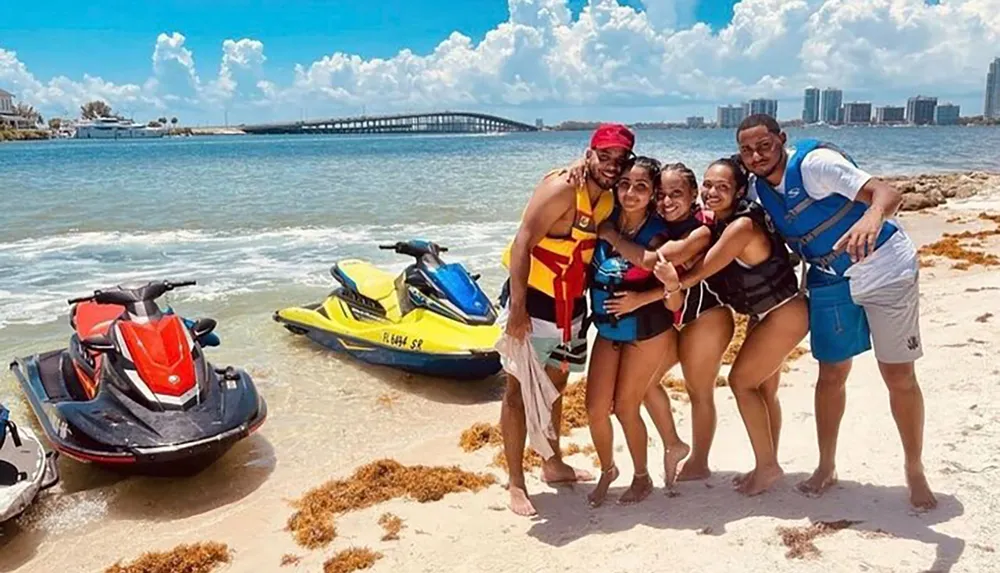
{"type": "Point", "coordinates": [707, 511]}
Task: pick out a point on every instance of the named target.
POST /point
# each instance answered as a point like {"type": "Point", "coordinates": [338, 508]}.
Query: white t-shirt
{"type": "Point", "coordinates": [825, 172]}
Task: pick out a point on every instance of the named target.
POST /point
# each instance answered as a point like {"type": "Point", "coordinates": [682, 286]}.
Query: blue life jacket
{"type": "Point", "coordinates": [810, 227]}
{"type": "Point", "coordinates": [609, 276]}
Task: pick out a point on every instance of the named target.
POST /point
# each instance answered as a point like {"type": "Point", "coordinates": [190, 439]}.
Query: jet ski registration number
{"type": "Point", "coordinates": [401, 341]}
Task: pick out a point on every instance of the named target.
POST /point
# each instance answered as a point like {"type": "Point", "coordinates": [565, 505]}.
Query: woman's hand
{"type": "Point", "coordinates": [577, 172]}
{"type": "Point", "coordinates": [624, 302]}
{"type": "Point", "coordinates": [667, 274]}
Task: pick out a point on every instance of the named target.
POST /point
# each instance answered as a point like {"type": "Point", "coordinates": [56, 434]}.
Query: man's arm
{"type": "Point", "coordinates": [880, 196]}
{"type": "Point", "coordinates": [883, 200]}
{"type": "Point", "coordinates": [827, 169]}
{"type": "Point", "coordinates": [551, 200]}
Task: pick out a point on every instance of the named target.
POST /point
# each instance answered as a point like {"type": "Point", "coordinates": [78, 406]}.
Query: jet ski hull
{"type": "Point", "coordinates": [461, 365]}
{"type": "Point", "coordinates": [26, 469]}
{"type": "Point", "coordinates": [114, 431]}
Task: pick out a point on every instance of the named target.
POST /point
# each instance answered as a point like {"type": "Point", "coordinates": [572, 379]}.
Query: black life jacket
{"type": "Point", "coordinates": [753, 291]}
{"type": "Point", "coordinates": [677, 230]}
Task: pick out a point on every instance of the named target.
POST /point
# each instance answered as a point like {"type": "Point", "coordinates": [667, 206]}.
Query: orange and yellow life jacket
{"type": "Point", "coordinates": [559, 266]}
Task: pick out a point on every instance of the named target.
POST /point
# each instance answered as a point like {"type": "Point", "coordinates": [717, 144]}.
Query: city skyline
{"type": "Point", "coordinates": [625, 60]}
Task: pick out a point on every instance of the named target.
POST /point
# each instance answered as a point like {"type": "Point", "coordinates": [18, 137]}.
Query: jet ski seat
{"type": "Point", "coordinates": [364, 278]}
{"type": "Point", "coordinates": [90, 318]}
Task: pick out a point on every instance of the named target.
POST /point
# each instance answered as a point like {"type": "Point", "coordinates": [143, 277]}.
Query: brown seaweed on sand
{"type": "Point", "coordinates": [371, 484]}
{"type": "Point", "coordinates": [950, 248]}
{"type": "Point", "coordinates": [480, 435]}
{"type": "Point", "coordinates": [351, 559]}
{"type": "Point", "coordinates": [574, 407]}
{"type": "Point", "coordinates": [289, 559]}
{"type": "Point", "coordinates": [739, 335]}
{"type": "Point", "coordinates": [195, 558]}
{"type": "Point", "coordinates": [799, 540]}
{"type": "Point", "coordinates": [392, 524]}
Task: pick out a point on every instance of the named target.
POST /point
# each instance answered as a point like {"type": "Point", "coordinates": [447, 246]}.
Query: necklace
{"type": "Point", "coordinates": [631, 232]}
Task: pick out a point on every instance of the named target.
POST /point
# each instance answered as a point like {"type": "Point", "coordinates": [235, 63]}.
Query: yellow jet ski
{"type": "Point", "coordinates": [432, 319]}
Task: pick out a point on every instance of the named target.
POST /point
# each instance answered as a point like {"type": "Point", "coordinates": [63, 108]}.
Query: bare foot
{"type": "Point", "coordinates": [519, 502]}
{"type": "Point", "coordinates": [921, 496]}
{"type": "Point", "coordinates": [761, 479]}
{"type": "Point", "coordinates": [739, 480]}
{"type": "Point", "coordinates": [596, 497]}
{"type": "Point", "coordinates": [820, 481]}
{"type": "Point", "coordinates": [558, 471]}
{"type": "Point", "coordinates": [671, 458]}
{"type": "Point", "coordinates": [691, 471]}
{"type": "Point", "coordinates": [640, 489]}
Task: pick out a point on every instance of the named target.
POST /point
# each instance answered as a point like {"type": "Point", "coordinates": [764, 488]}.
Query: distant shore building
{"type": "Point", "coordinates": [831, 102]}
{"type": "Point", "coordinates": [991, 109]}
{"type": "Point", "coordinates": [946, 114]}
{"type": "Point", "coordinates": [761, 105]}
{"type": "Point", "coordinates": [7, 116]}
{"type": "Point", "coordinates": [890, 114]}
{"type": "Point", "coordinates": [920, 110]}
{"type": "Point", "coordinates": [856, 113]}
{"type": "Point", "coordinates": [831, 105]}
{"type": "Point", "coordinates": [539, 123]}
{"type": "Point", "coordinates": [695, 121]}
{"type": "Point", "coordinates": [810, 107]}
{"type": "Point", "coordinates": [730, 116]}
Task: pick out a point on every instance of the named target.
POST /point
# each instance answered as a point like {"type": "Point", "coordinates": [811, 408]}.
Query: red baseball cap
{"type": "Point", "coordinates": [612, 135]}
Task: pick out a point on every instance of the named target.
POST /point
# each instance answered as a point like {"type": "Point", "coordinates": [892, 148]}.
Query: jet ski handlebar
{"type": "Point", "coordinates": [415, 248]}
{"type": "Point", "coordinates": [122, 295]}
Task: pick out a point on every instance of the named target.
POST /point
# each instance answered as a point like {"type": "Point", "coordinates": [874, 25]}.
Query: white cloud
{"type": "Point", "coordinates": [610, 56]}
{"type": "Point", "coordinates": [241, 69]}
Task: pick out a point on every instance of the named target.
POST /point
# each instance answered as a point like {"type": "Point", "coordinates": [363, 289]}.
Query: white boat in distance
{"type": "Point", "coordinates": [116, 128]}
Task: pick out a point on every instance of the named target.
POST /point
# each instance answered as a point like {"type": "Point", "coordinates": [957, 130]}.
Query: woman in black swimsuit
{"type": "Point", "coordinates": [749, 267]}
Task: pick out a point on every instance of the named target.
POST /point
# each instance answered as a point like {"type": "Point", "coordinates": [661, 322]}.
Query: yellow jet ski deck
{"type": "Point", "coordinates": [431, 319]}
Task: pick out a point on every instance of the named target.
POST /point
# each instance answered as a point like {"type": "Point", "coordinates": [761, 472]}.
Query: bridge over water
{"type": "Point", "coordinates": [441, 122]}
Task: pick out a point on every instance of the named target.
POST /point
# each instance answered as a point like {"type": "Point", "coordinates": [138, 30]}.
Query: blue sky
{"type": "Point", "coordinates": [115, 36]}
{"type": "Point", "coordinates": [648, 56]}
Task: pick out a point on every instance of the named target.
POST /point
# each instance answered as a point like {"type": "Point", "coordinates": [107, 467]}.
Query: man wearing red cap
{"type": "Point", "coordinates": [544, 298]}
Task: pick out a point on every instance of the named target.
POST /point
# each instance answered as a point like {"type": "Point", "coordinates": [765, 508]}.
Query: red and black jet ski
{"type": "Point", "coordinates": [134, 389]}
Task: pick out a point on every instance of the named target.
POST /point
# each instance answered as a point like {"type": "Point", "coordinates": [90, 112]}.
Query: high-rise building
{"type": "Point", "coordinates": [946, 114]}
{"type": "Point", "coordinates": [920, 110]}
{"type": "Point", "coordinates": [695, 121]}
{"type": "Point", "coordinates": [991, 110]}
{"type": "Point", "coordinates": [831, 101]}
{"type": "Point", "coordinates": [890, 114]}
{"type": "Point", "coordinates": [539, 123]}
{"type": "Point", "coordinates": [857, 113]}
{"type": "Point", "coordinates": [810, 108]}
{"type": "Point", "coordinates": [730, 116]}
{"type": "Point", "coordinates": [765, 106]}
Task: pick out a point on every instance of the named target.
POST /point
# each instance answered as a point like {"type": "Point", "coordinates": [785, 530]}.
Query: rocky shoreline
{"type": "Point", "coordinates": [930, 190]}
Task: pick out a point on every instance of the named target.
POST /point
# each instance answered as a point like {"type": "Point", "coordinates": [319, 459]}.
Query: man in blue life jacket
{"type": "Point", "coordinates": [862, 282]}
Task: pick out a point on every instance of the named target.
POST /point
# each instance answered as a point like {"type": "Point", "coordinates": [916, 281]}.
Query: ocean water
{"type": "Point", "coordinates": [247, 215]}
{"type": "Point", "coordinates": [258, 221]}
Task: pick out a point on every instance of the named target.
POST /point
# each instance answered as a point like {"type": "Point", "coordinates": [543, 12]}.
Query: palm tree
{"type": "Point", "coordinates": [162, 121]}
{"type": "Point", "coordinates": [173, 121]}
{"type": "Point", "coordinates": [27, 112]}
{"type": "Point", "coordinates": [95, 109]}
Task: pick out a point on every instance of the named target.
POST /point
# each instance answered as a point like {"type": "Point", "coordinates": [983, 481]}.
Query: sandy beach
{"type": "Point", "coordinates": [246, 503]}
